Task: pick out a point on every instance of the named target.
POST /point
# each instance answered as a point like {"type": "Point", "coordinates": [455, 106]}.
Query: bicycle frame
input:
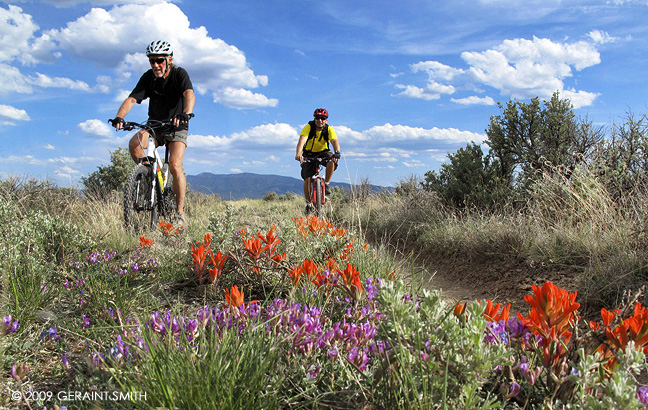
{"type": "Point", "coordinates": [148, 189]}
{"type": "Point", "coordinates": [317, 179]}
{"type": "Point", "coordinates": [317, 184]}
{"type": "Point", "coordinates": [158, 166]}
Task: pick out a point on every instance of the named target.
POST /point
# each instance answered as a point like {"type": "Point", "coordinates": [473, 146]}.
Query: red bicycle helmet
{"type": "Point", "coordinates": [320, 112]}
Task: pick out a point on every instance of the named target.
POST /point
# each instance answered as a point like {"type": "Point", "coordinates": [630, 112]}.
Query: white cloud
{"type": "Point", "coordinates": [278, 135]}
{"type": "Point", "coordinates": [236, 170]}
{"type": "Point", "coordinates": [393, 133]}
{"type": "Point", "coordinates": [208, 142]}
{"type": "Point", "coordinates": [436, 70]}
{"type": "Point", "coordinates": [414, 164]}
{"type": "Point", "coordinates": [16, 31]}
{"type": "Point", "coordinates": [23, 160]}
{"type": "Point", "coordinates": [241, 99]}
{"type": "Point", "coordinates": [70, 3]}
{"type": "Point", "coordinates": [96, 128]}
{"type": "Point", "coordinates": [474, 100]}
{"type": "Point", "coordinates": [347, 134]}
{"type": "Point", "coordinates": [117, 38]}
{"type": "Point", "coordinates": [13, 114]}
{"type": "Point", "coordinates": [517, 68]}
{"type": "Point", "coordinates": [601, 37]}
{"type": "Point", "coordinates": [14, 81]}
{"type": "Point", "coordinates": [49, 147]}
{"type": "Point", "coordinates": [45, 81]}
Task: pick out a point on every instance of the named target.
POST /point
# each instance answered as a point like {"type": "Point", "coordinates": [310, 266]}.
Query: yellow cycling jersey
{"type": "Point", "coordinates": [317, 143]}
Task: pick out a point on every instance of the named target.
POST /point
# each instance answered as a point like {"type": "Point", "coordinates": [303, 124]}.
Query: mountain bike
{"type": "Point", "coordinates": [148, 193]}
{"type": "Point", "coordinates": [318, 191]}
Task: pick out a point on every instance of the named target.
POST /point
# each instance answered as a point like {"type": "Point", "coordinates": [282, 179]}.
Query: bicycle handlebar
{"type": "Point", "coordinates": [321, 159]}
{"type": "Point", "coordinates": [129, 126]}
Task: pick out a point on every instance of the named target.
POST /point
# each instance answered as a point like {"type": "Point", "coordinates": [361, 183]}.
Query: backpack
{"type": "Point", "coordinates": [313, 132]}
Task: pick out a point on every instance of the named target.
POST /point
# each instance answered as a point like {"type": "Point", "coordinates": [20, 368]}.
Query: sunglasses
{"type": "Point", "coordinates": [321, 118]}
{"type": "Point", "coordinates": [158, 61]}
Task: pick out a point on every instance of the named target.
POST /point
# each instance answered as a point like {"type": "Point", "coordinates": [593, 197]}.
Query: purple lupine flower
{"type": "Point", "coordinates": [358, 357]}
{"type": "Point", "coordinates": [108, 256]}
{"type": "Point", "coordinates": [8, 326]}
{"type": "Point", "coordinates": [93, 258]}
{"type": "Point", "coordinates": [86, 321]}
{"type": "Point", "coordinates": [371, 289]}
{"type": "Point", "coordinates": [64, 359]}
{"type": "Point", "coordinates": [191, 329]}
{"type": "Point", "coordinates": [524, 367]}
{"type": "Point", "coordinates": [19, 370]}
{"type": "Point", "coordinates": [516, 328]}
{"type": "Point", "coordinates": [514, 390]}
{"type": "Point", "coordinates": [642, 395]}
{"type": "Point", "coordinates": [314, 373]}
{"type": "Point", "coordinates": [135, 266]}
{"type": "Point", "coordinates": [496, 333]}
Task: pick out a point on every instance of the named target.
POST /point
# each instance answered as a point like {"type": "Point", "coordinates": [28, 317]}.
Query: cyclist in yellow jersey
{"type": "Point", "coordinates": [314, 141]}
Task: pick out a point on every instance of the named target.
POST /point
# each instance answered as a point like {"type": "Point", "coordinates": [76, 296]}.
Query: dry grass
{"type": "Point", "coordinates": [569, 226]}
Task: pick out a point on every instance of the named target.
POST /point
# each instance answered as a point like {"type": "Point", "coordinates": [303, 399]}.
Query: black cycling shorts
{"type": "Point", "coordinates": [308, 168]}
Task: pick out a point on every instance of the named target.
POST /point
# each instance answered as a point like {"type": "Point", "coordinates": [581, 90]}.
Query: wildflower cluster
{"type": "Point", "coordinates": [328, 278]}
{"type": "Point", "coordinates": [204, 260]}
{"type": "Point", "coordinates": [311, 225]}
{"type": "Point", "coordinates": [629, 329]}
{"type": "Point", "coordinates": [8, 326]}
{"type": "Point", "coordinates": [168, 230]}
{"type": "Point", "coordinates": [302, 329]}
{"type": "Point", "coordinates": [543, 340]}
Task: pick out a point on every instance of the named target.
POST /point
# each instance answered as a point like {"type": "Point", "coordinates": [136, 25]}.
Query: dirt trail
{"type": "Point", "coordinates": [499, 282]}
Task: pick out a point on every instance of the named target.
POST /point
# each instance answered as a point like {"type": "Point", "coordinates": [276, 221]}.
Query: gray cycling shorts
{"type": "Point", "coordinates": [165, 137]}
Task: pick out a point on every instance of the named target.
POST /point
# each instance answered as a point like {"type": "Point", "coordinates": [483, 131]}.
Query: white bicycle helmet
{"type": "Point", "coordinates": [159, 47]}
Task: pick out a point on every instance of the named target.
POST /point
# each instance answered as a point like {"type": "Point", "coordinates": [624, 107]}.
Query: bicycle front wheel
{"type": "Point", "coordinates": [319, 195]}
{"type": "Point", "coordinates": [168, 203]}
{"type": "Point", "coordinates": [140, 213]}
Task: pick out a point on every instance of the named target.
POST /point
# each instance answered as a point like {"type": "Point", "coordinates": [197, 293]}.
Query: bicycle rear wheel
{"type": "Point", "coordinates": [319, 195]}
{"type": "Point", "coordinates": [139, 213]}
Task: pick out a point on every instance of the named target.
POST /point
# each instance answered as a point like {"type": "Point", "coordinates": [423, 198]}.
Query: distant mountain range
{"type": "Point", "coordinates": [251, 186]}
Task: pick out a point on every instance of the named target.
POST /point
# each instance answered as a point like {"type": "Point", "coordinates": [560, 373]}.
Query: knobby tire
{"type": "Point", "coordinates": [168, 203]}
{"type": "Point", "coordinates": [319, 192]}
{"type": "Point", "coordinates": [139, 215]}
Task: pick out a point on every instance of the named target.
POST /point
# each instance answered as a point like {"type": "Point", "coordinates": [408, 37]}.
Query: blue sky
{"type": "Point", "coordinates": [405, 82]}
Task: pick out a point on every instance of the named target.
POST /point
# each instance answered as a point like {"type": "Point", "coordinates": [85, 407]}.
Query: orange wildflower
{"type": "Point", "coordinates": [491, 312]}
{"type": "Point", "coordinates": [199, 254]}
{"type": "Point", "coordinates": [233, 297]}
{"type": "Point", "coordinates": [551, 316]}
{"type": "Point", "coordinates": [144, 242]}
{"type": "Point", "coordinates": [278, 258]}
{"type": "Point", "coordinates": [271, 241]}
{"type": "Point", "coordinates": [218, 262]}
{"type": "Point", "coordinates": [207, 240]}
{"type": "Point", "coordinates": [551, 308]}
{"type": "Point", "coordinates": [310, 269]}
{"type": "Point", "coordinates": [459, 309]}
{"type": "Point", "coordinates": [295, 274]}
{"type": "Point", "coordinates": [352, 282]}
{"type": "Point", "coordinates": [254, 248]}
